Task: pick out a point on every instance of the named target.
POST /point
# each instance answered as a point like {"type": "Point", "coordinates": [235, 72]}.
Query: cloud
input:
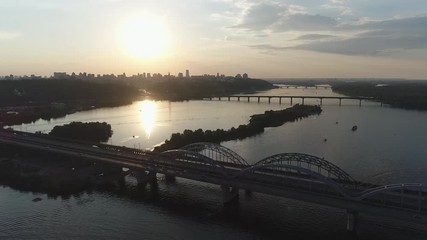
{"type": "Point", "coordinates": [6, 35]}
{"type": "Point", "coordinates": [304, 22]}
{"type": "Point", "coordinates": [343, 10]}
{"type": "Point", "coordinates": [315, 37]}
{"type": "Point", "coordinates": [268, 48]}
{"type": "Point", "coordinates": [260, 16]}
{"type": "Point", "coordinates": [370, 38]}
{"type": "Point", "coordinates": [281, 18]}
{"type": "Point", "coordinates": [338, 1]}
{"type": "Point", "coordinates": [376, 38]}
{"type": "Point", "coordinates": [297, 9]}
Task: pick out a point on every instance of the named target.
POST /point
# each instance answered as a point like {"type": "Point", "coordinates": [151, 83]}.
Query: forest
{"type": "Point", "coordinates": [76, 92]}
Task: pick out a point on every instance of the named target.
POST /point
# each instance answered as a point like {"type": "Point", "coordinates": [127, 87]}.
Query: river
{"type": "Point", "coordinates": [388, 147]}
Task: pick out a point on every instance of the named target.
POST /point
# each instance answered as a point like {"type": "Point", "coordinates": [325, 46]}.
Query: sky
{"type": "Point", "coordinates": [266, 39]}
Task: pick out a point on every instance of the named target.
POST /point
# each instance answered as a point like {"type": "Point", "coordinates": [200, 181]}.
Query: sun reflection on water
{"type": "Point", "coordinates": [148, 116]}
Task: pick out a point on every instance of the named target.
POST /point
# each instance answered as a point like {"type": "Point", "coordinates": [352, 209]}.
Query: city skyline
{"type": "Point", "coordinates": [289, 39]}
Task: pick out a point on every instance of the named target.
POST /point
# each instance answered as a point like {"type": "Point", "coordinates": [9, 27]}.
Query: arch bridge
{"type": "Point", "coordinates": [292, 175]}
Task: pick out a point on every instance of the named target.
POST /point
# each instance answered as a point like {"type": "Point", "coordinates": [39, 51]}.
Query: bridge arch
{"type": "Point", "coordinates": [372, 192]}
{"type": "Point", "coordinates": [189, 159]}
{"type": "Point", "coordinates": [409, 196]}
{"type": "Point", "coordinates": [216, 152]}
{"type": "Point", "coordinates": [279, 173]}
{"type": "Point", "coordinates": [311, 163]}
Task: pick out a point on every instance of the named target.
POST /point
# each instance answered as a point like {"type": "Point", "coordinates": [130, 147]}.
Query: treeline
{"type": "Point", "coordinates": [256, 125]}
{"type": "Point", "coordinates": [91, 132]}
{"type": "Point", "coordinates": [32, 114]}
{"type": "Point", "coordinates": [194, 88]}
{"type": "Point", "coordinates": [402, 94]}
{"type": "Point", "coordinates": [46, 91]}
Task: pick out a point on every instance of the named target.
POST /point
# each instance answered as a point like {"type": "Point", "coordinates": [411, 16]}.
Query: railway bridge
{"type": "Point", "coordinates": [291, 175]}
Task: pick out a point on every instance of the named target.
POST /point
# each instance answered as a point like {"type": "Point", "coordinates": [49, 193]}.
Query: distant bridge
{"type": "Point", "coordinates": [269, 98]}
{"type": "Point", "coordinates": [292, 175]}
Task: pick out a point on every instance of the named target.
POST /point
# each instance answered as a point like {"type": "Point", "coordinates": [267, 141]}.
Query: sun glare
{"type": "Point", "coordinates": [148, 116]}
{"type": "Point", "coordinates": [145, 36]}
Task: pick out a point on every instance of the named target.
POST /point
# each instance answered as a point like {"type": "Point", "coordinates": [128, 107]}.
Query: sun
{"type": "Point", "coordinates": [145, 36]}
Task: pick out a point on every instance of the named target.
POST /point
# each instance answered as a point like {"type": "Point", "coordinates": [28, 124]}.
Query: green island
{"type": "Point", "coordinates": [90, 132]}
{"type": "Point", "coordinates": [256, 125]}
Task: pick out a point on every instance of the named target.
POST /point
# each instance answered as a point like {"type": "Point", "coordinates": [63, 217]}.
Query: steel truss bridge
{"type": "Point", "coordinates": [291, 175]}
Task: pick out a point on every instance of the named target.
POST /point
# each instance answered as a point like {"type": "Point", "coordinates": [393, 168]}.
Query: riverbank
{"type": "Point", "coordinates": [400, 94]}
{"type": "Point", "coordinates": [199, 87]}
{"type": "Point", "coordinates": [26, 101]}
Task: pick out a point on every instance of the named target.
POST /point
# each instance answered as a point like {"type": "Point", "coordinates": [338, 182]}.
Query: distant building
{"type": "Point", "coordinates": [187, 73]}
{"type": "Point", "coordinates": [180, 75]}
{"type": "Point", "coordinates": [60, 75]}
{"type": "Point", "coordinates": [245, 76]}
{"type": "Point", "coordinates": [238, 76]}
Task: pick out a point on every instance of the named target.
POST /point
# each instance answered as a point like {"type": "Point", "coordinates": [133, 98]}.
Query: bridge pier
{"type": "Point", "coordinates": [360, 102]}
{"type": "Point", "coordinates": [352, 217]}
{"type": "Point", "coordinates": [269, 99]}
{"type": "Point", "coordinates": [291, 100]}
{"type": "Point", "coordinates": [143, 177]}
{"type": "Point", "coordinates": [249, 99]}
{"type": "Point", "coordinates": [321, 101]}
{"type": "Point", "coordinates": [238, 99]}
{"type": "Point", "coordinates": [229, 194]}
{"type": "Point", "coordinates": [280, 100]}
{"type": "Point", "coordinates": [303, 101]}
{"type": "Point", "coordinates": [258, 99]}
{"type": "Point", "coordinates": [340, 101]}
{"type": "Point", "coordinates": [228, 98]}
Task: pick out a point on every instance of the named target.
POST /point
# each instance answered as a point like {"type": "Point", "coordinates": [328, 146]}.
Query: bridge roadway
{"type": "Point", "coordinates": [291, 175]}
{"type": "Point", "coordinates": [249, 97]}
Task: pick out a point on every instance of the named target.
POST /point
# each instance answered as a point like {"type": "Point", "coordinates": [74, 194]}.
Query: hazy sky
{"type": "Point", "coordinates": [288, 38]}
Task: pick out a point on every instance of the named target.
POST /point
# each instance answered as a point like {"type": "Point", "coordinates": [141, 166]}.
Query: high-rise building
{"type": "Point", "coordinates": [187, 73]}
{"type": "Point", "coordinates": [59, 75]}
